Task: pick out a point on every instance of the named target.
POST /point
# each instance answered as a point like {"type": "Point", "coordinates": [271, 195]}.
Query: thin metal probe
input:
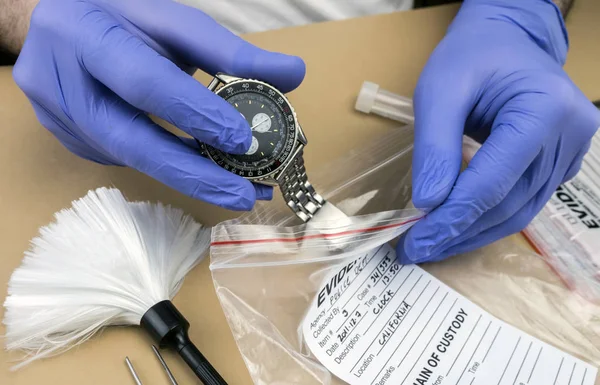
{"type": "Point", "coordinates": [164, 365]}
{"type": "Point", "coordinates": [132, 370]}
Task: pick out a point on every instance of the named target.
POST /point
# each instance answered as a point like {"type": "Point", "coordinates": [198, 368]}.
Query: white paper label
{"type": "Point", "coordinates": [567, 232]}
{"type": "Point", "coordinates": [576, 206]}
{"type": "Point", "coordinates": [377, 322]}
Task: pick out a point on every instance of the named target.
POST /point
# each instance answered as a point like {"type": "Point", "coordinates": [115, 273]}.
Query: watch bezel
{"type": "Point", "coordinates": [292, 139]}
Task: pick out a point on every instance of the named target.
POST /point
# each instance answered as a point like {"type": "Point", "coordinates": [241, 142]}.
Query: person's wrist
{"type": "Point", "coordinates": [14, 24]}
{"type": "Point", "coordinates": [541, 20]}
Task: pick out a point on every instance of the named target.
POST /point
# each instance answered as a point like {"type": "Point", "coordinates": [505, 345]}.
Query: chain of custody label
{"type": "Point", "coordinates": [377, 322]}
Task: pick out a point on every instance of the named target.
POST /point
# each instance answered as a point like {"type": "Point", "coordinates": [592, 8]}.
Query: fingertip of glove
{"type": "Point", "coordinates": [244, 200]}
{"type": "Point", "coordinates": [433, 185]}
{"type": "Point", "coordinates": [403, 253]}
{"type": "Point", "coordinates": [237, 138]}
{"type": "Point", "coordinates": [220, 125]}
{"type": "Point", "coordinates": [286, 72]}
{"type": "Point", "coordinates": [426, 202]}
{"type": "Point", "coordinates": [429, 193]}
{"type": "Point", "coordinates": [229, 191]}
{"type": "Point", "coordinates": [295, 73]}
{"type": "Point", "coordinates": [410, 252]}
{"type": "Point", "coordinates": [263, 193]}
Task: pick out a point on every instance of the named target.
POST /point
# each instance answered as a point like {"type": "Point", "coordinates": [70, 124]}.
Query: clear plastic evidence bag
{"type": "Point", "coordinates": [327, 303]}
{"type": "Point", "coordinates": [567, 231]}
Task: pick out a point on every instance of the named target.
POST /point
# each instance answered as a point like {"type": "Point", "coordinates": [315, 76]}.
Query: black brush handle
{"type": "Point", "coordinates": [169, 329]}
{"type": "Point", "coordinates": [200, 365]}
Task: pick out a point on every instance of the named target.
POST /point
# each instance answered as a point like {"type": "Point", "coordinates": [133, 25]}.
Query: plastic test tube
{"type": "Point", "coordinates": [373, 99]}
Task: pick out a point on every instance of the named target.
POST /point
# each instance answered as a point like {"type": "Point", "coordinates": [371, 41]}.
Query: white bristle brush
{"type": "Point", "coordinates": [106, 261]}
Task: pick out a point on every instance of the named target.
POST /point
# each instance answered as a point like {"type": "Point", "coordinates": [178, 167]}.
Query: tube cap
{"type": "Point", "coordinates": [366, 97]}
{"type": "Point", "coordinates": [372, 99]}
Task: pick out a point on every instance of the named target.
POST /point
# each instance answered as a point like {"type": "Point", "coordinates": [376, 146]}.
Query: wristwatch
{"type": "Point", "coordinates": [275, 157]}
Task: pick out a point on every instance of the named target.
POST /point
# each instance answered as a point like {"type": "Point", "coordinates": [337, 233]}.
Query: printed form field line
{"type": "Point", "coordinates": [535, 364]}
{"type": "Point", "coordinates": [407, 312]}
{"type": "Point", "coordinates": [377, 317]}
{"type": "Point", "coordinates": [424, 328]}
{"type": "Point", "coordinates": [403, 338]}
{"type": "Point", "coordinates": [402, 284]}
{"type": "Point", "coordinates": [357, 275]}
{"type": "Point", "coordinates": [386, 271]}
{"type": "Point", "coordinates": [431, 339]}
{"type": "Point", "coordinates": [465, 344]}
{"type": "Point", "coordinates": [344, 323]}
{"type": "Point", "coordinates": [392, 279]}
{"type": "Point", "coordinates": [559, 368]}
{"type": "Point", "coordinates": [572, 372]}
{"type": "Point", "coordinates": [474, 352]}
{"type": "Point", "coordinates": [509, 360]}
{"type": "Point", "coordinates": [522, 363]}
{"type": "Point", "coordinates": [492, 344]}
{"type": "Point", "coordinates": [356, 326]}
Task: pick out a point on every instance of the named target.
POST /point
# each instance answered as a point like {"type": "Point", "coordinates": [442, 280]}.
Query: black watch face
{"type": "Point", "coordinates": [273, 129]}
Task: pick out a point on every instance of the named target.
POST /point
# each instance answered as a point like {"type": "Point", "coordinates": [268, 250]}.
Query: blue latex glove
{"type": "Point", "coordinates": [93, 68]}
{"type": "Point", "coordinates": [497, 76]}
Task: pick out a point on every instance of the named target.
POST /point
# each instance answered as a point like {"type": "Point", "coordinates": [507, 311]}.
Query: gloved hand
{"type": "Point", "coordinates": [497, 76]}
{"type": "Point", "coordinates": [93, 68]}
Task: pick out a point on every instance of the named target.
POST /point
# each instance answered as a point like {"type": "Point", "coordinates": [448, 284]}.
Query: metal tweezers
{"type": "Point", "coordinates": [136, 378]}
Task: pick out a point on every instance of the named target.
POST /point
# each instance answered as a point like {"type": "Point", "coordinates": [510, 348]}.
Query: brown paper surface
{"type": "Point", "coordinates": [39, 177]}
